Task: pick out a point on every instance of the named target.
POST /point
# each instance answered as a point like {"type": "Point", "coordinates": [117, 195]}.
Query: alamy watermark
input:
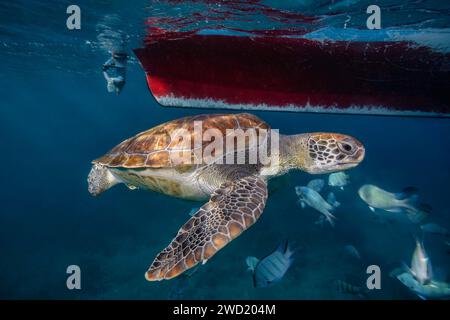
{"type": "Point", "coordinates": [73, 22]}
{"type": "Point", "coordinates": [374, 20]}
{"type": "Point", "coordinates": [374, 280]}
{"type": "Point", "coordinates": [74, 279]}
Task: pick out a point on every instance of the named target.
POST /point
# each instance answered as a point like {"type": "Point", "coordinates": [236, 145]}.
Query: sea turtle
{"type": "Point", "coordinates": [237, 192]}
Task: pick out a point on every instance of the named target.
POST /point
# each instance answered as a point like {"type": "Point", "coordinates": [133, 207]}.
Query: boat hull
{"type": "Point", "coordinates": [295, 74]}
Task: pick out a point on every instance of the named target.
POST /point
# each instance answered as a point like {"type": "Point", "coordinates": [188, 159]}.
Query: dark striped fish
{"type": "Point", "coordinates": [272, 268]}
{"type": "Point", "coordinates": [347, 288]}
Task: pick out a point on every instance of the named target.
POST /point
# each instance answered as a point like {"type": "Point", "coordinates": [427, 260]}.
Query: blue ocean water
{"type": "Point", "coordinates": [56, 116]}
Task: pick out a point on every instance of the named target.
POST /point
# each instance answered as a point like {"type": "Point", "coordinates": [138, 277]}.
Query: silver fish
{"type": "Point", "coordinates": [272, 268]}
{"type": "Point", "coordinates": [434, 228]}
{"type": "Point", "coordinates": [313, 199]}
{"type": "Point", "coordinates": [351, 250]}
{"type": "Point", "coordinates": [331, 199]}
{"type": "Point", "coordinates": [421, 265]}
{"type": "Point", "coordinates": [338, 179]}
{"type": "Point", "coordinates": [316, 184]}
{"type": "Point", "coordinates": [405, 201]}
{"type": "Point", "coordinates": [432, 290]}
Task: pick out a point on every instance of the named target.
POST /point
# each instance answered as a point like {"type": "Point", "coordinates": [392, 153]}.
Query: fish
{"type": "Point", "coordinates": [347, 288]}
{"type": "Point", "coordinates": [312, 198]}
{"type": "Point", "coordinates": [405, 201]}
{"type": "Point", "coordinates": [331, 199]}
{"type": "Point", "coordinates": [421, 267]}
{"type": "Point", "coordinates": [272, 268]}
{"type": "Point", "coordinates": [432, 290]}
{"type": "Point", "coordinates": [302, 204]}
{"type": "Point", "coordinates": [316, 184]}
{"type": "Point", "coordinates": [434, 228]}
{"type": "Point", "coordinates": [352, 251]}
{"type": "Point", "coordinates": [338, 179]}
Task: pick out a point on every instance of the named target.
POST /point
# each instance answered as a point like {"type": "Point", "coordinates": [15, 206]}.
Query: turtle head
{"type": "Point", "coordinates": [331, 152]}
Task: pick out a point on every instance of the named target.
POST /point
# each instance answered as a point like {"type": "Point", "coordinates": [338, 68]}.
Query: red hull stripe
{"type": "Point", "coordinates": [298, 75]}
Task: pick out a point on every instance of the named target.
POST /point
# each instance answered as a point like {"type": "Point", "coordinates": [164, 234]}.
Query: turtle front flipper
{"type": "Point", "coordinates": [232, 208]}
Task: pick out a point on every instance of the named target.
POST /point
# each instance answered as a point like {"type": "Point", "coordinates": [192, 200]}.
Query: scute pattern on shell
{"type": "Point", "coordinates": [152, 148]}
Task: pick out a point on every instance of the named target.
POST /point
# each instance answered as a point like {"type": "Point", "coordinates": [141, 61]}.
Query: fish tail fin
{"type": "Point", "coordinates": [415, 211]}
{"type": "Point", "coordinates": [282, 246]}
{"type": "Point", "coordinates": [331, 199]}
{"type": "Point", "coordinates": [406, 268]}
{"type": "Point", "coordinates": [418, 213]}
{"type": "Point", "coordinates": [424, 207]}
{"type": "Point", "coordinates": [286, 250]}
{"type": "Point", "coordinates": [251, 263]}
{"type": "Point", "coordinates": [290, 251]}
{"type": "Point", "coordinates": [418, 239]}
{"type": "Point", "coordinates": [408, 193]}
{"type": "Point", "coordinates": [330, 218]}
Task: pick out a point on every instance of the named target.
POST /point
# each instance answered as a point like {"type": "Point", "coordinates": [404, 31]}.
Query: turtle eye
{"type": "Point", "coordinates": [345, 147]}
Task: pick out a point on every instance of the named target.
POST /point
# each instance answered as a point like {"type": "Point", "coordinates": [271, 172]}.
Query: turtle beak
{"type": "Point", "coordinates": [353, 150]}
{"type": "Point", "coordinates": [360, 152]}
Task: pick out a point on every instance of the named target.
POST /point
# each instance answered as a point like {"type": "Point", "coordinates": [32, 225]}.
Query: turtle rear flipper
{"type": "Point", "coordinates": [100, 179]}
{"type": "Point", "coordinates": [232, 208]}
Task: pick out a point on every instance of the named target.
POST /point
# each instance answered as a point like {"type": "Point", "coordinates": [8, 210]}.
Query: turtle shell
{"type": "Point", "coordinates": [155, 147]}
